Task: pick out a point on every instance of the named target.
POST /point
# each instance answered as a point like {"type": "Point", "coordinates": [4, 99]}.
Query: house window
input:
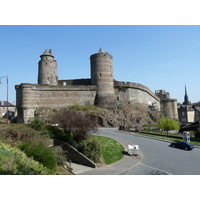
{"type": "Point", "coordinates": [64, 83]}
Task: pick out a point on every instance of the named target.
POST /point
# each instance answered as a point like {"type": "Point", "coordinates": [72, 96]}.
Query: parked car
{"type": "Point", "coordinates": [137, 129]}
{"type": "Point", "coordinates": [182, 145]}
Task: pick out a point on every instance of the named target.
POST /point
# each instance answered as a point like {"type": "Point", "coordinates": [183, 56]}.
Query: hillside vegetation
{"type": "Point", "coordinates": [26, 151]}
{"type": "Point", "coordinates": [15, 162]}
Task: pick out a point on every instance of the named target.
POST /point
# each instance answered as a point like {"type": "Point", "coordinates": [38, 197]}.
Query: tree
{"type": "Point", "coordinates": [168, 124]}
{"type": "Point", "coordinates": [78, 124]}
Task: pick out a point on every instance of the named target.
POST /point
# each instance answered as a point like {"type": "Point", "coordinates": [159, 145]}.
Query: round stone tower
{"type": "Point", "coordinates": [47, 69]}
{"type": "Point", "coordinates": [102, 76]}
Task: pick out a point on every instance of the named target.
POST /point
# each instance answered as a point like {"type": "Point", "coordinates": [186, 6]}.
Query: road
{"type": "Point", "coordinates": [157, 158]}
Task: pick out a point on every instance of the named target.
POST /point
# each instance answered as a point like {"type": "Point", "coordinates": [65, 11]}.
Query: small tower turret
{"type": "Point", "coordinates": [47, 69]}
{"type": "Point", "coordinates": [102, 76]}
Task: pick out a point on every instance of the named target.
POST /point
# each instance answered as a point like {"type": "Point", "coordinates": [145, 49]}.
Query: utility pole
{"type": "Point", "coordinates": [7, 93]}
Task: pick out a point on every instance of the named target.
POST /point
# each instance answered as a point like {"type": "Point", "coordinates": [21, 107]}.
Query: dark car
{"type": "Point", "coordinates": [182, 145]}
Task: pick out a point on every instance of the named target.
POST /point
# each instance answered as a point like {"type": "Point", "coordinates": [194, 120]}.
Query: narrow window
{"type": "Point", "coordinates": [64, 83]}
{"type": "Point", "coordinates": [117, 98]}
{"type": "Point", "coordinates": [100, 74]}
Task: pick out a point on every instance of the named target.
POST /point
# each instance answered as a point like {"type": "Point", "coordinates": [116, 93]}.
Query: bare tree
{"type": "Point", "coordinates": [76, 123]}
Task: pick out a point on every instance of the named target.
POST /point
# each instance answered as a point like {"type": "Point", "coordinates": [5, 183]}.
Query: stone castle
{"type": "Point", "coordinates": [101, 90]}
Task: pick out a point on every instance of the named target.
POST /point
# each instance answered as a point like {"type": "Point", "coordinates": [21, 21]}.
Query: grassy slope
{"type": "Point", "coordinates": [111, 149]}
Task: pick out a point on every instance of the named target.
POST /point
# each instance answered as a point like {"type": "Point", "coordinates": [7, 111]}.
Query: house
{"type": "Point", "coordinates": [3, 109]}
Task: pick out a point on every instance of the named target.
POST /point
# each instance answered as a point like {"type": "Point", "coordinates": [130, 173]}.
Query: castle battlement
{"type": "Point", "coordinates": [44, 87]}
{"type": "Point", "coordinates": [135, 86]}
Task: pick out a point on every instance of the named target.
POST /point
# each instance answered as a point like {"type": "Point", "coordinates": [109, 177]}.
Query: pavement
{"type": "Point", "coordinates": [125, 164]}
{"type": "Point", "coordinates": [120, 167]}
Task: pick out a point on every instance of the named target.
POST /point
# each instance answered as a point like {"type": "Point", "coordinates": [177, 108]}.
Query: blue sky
{"type": "Point", "coordinates": [159, 57]}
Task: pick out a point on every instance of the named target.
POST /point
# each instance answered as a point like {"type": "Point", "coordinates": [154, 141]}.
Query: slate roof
{"type": "Point", "coordinates": [4, 104]}
{"type": "Point", "coordinates": [101, 51]}
{"type": "Point", "coordinates": [47, 52]}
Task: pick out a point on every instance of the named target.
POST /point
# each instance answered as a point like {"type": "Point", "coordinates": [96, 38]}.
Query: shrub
{"type": "Point", "coordinates": [19, 133]}
{"type": "Point", "coordinates": [15, 162]}
{"type": "Point", "coordinates": [40, 153]}
{"type": "Point", "coordinates": [90, 148]}
{"type": "Point", "coordinates": [87, 107]}
{"type": "Point", "coordinates": [197, 134]}
{"type": "Point", "coordinates": [56, 133]}
{"type": "Point", "coordinates": [37, 124]}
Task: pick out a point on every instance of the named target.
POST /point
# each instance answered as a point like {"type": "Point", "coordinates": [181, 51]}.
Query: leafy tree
{"type": "Point", "coordinates": [168, 124]}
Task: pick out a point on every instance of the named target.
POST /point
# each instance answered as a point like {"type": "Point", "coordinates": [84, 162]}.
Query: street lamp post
{"type": "Point", "coordinates": [7, 92]}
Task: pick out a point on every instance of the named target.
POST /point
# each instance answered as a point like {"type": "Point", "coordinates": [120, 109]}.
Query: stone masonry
{"type": "Point", "coordinates": [101, 89]}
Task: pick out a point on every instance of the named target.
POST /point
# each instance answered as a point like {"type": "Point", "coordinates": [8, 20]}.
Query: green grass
{"type": "Point", "coordinates": [112, 151]}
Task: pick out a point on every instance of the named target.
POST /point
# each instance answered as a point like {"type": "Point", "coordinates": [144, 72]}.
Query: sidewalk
{"type": "Point", "coordinates": [120, 167]}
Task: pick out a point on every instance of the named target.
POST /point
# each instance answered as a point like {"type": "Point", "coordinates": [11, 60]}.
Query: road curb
{"type": "Point", "coordinates": [154, 138]}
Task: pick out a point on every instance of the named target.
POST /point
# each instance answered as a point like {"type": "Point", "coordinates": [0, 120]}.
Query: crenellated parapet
{"type": "Point", "coordinates": [136, 86]}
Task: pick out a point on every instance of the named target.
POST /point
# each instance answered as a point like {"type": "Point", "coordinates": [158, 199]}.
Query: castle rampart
{"type": "Point", "coordinates": [101, 89]}
{"type": "Point", "coordinates": [33, 96]}
{"type": "Point", "coordinates": [136, 86]}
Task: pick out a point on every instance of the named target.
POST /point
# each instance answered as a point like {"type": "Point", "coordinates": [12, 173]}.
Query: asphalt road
{"type": "Point", "coordinates": [157, 158]}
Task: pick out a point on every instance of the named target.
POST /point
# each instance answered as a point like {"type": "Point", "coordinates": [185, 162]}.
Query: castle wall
{"type": "Point", "coordinates": [172, 109]}
{"type": "Point", "coordinates": [101, 89]}
{"type": "Point", "coordinates": [75, 82]}
{"type": "Point", "coordinates": [32, 96]}
{"type": "Point", "coordinates": [128, 92]}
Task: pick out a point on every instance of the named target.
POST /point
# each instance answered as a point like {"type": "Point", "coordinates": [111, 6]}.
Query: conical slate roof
{"type": "Point", "coordinates": [47, 52]}
{"type": "Point", "coordinates": [101, 51]}
{"type": "Point", "coordinates": [186, 99]}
